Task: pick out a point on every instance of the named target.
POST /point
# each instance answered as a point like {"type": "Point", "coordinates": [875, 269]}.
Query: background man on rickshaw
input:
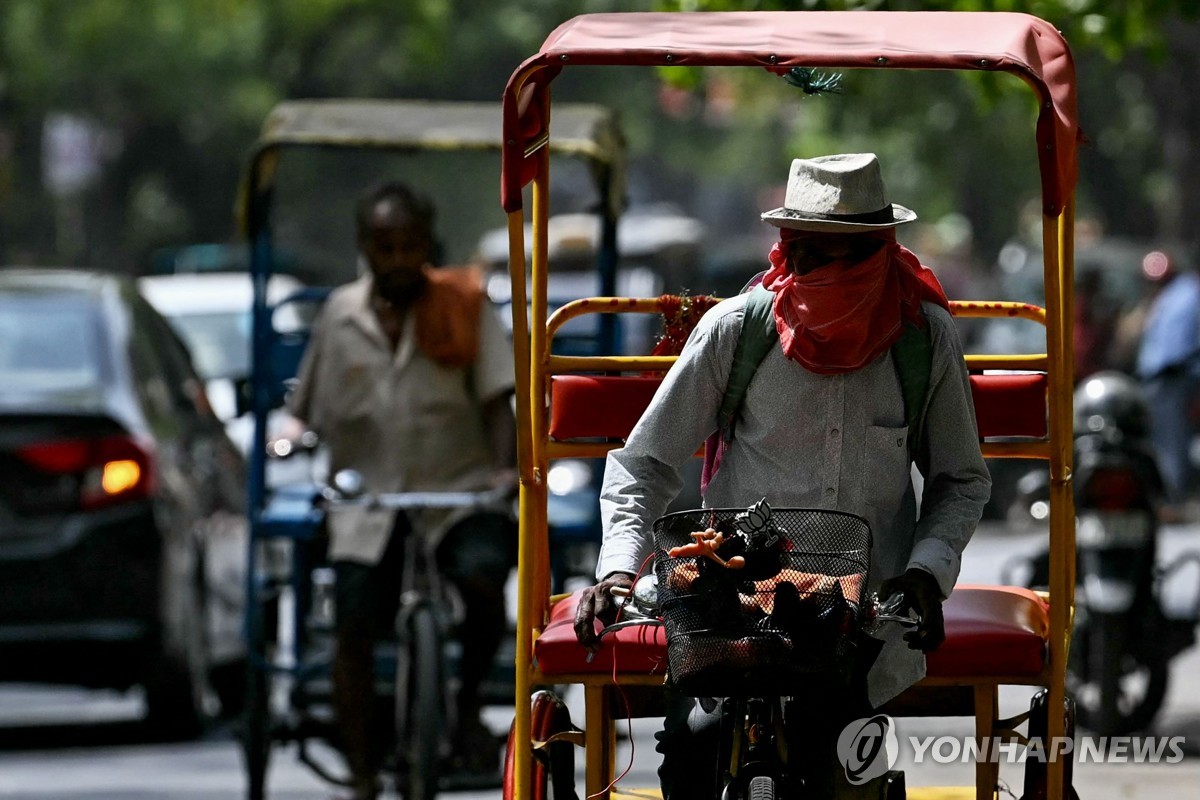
{"type": "Point", "coordinates": [823, 425]}
{"type": "Point", "coordinates": [408, 379]}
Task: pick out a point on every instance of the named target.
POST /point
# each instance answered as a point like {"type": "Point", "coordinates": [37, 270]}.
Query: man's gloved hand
{"type": "Point", "coordinates": [597, 602]}
{"type": "Point", "coordinates": [921, 592]}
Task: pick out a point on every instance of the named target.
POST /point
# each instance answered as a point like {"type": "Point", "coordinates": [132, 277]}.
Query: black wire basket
{"type": "Point", "coordinates": [784, 608]}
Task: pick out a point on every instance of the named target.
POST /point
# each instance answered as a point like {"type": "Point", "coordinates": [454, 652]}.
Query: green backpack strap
{"type": "Point", "coordinates": [913, 356]}
{"type": "Point", "coordinates": [756, 338]}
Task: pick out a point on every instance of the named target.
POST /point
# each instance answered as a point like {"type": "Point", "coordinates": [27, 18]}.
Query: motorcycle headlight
{"type": "Point", "coordinates": [568, 476]}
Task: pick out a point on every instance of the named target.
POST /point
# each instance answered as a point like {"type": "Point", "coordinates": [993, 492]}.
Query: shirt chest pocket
{"type": "Point", "coordinates": [886, 473]}
{"type": "Point", "coordinates": [351, 389]}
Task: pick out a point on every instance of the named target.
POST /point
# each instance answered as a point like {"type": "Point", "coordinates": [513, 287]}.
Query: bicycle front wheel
{"type": "Point", "coordinates": [255, 725]}
{"type": "Point", "coordinates": [420, 710]}
{"type": "Point", "coordinates": [761, 788]}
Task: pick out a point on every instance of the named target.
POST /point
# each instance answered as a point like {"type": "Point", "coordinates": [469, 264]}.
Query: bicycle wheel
{"type": "Point", "coordinates": [552, 773]}
{"type": "Point", "coordinates": [761, 788]}
{"type": "Point", "coordinates": [420, 710]}
{"type": "Point", "coordinates": [255, 733]}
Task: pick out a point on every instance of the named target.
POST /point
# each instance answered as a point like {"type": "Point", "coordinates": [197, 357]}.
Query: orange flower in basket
{"type": "Point", "coordinates": [806, 583]}
{"type": "Point", "coordinates": [706, 543]}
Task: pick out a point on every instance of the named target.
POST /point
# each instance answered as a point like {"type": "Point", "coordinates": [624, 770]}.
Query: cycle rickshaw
{"type": "Point", "coordinates": [288, 591]}
{"type": "Point", "coordinates": [584, 406]}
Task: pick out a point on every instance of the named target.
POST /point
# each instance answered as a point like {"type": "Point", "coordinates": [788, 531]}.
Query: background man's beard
{"type": "Point", "coordinates": [399, 292]}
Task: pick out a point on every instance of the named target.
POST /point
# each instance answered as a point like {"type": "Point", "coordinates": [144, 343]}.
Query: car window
{"type": "Point", "coordinates": [172, 354]}
{"type": "Point", "coordinates": [153, 381]}
{"type": "Point", "coordinates": [65, 355]}
{"type": "Point", "coordinates": [219, 342]}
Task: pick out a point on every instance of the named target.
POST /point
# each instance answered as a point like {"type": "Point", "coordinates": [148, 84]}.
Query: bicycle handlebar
{"type": "Point", "coordinates": [640, 607]}
{"type": "Point", "coordinates": [880, 611]}
{"type": "Point", "coordinates": [419, 501]}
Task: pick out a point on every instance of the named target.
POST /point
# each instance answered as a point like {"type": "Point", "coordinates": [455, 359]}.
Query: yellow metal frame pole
{"type": "Point", "coordinates": [532, 595]}
{"type": "Point", "coordinates": [539, 576]}
{"type": "Point", "coordinates": [521, 724]}
{"type": "Point", "coordinates": [1057, 241]}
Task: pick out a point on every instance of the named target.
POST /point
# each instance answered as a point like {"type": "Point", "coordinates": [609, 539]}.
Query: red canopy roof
{"type": "Point", "coordinates": [779, 40]}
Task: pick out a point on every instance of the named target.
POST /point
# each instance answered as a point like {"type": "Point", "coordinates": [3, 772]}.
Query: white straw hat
{"type": "Point", "coordinates": [841, 193]}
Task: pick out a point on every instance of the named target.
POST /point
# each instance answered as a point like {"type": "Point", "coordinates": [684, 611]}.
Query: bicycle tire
{"type": "Point", "coordinates": [552, 772]}
{"type": "Point", "coordinates": [256, 714]}
{"type": "Point", "coordinates": [761, 788]}
{"type": "Point", "coordinates": [421, 721]}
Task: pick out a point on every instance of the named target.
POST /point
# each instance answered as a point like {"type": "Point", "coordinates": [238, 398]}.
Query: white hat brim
{"type": "Point", "coordinates": [786, 218]}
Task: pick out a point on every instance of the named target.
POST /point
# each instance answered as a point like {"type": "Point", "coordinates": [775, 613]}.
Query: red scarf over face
{"type": "Point", "coordinates": [843, 315]}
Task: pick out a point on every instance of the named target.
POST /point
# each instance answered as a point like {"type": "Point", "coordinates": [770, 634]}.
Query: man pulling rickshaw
{"type": "Point", "coordinates": [575, 407]}
{"type": "Point", "coordinates": [822, 424]}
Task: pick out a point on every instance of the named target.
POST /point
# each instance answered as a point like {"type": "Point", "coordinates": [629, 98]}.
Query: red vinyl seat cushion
{"type": "Point", "coordinates": [601, 406]}
{"type": "Point", "coordinates": [640, 650]}
{"type": "Point", "coordinates": [991, 631]}
{"type": "Point", "coordinates": [1010, 404]}
{"type": "Point", "coordinates": [608, 406]}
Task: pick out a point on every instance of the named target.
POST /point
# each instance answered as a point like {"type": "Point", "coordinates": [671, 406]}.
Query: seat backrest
{"type": "Point", "coordinates": [1007, 405]}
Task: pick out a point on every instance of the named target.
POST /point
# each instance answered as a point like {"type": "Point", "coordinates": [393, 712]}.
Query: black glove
{"type": "Point", "coordinates": [597, 602]}
{"type": "Point", "coordinates": [922, 593]}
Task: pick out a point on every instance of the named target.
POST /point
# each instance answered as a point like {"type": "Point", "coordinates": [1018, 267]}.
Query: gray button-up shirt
{"type": "Point", "coordinates": [812, 441]}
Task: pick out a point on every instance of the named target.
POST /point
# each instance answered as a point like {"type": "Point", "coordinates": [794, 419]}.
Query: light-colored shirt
{"type": "Point", "coordinates": [1172, 334]}
{"type": "Point", "coordinates": [405, 422]}
{"type": "Point", "coordinates": [808, 440]}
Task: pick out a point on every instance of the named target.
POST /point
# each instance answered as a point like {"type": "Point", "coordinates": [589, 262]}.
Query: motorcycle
{"type": "Point", "coordinates": [1124, 640]}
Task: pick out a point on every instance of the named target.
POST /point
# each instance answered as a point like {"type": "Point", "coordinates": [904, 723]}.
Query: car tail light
{"type": "Point", "coordinates": [109, 469]}
{"type": "Point", "coordinates": [1112, 489]}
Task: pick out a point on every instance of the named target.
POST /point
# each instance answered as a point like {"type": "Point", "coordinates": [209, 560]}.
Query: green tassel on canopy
{"type": "Point", "coordinates": [812, 81]}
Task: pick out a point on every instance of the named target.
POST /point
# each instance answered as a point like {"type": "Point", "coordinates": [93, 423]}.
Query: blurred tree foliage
{"type": "Point", "coordinates": [949, 141]}
{"type": "Point", "coordinates": [177, 89]}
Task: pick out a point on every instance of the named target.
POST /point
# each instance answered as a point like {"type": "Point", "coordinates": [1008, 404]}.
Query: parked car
{"type": "Point", "coordinates": [122, 502]}
{"type": "Point", "coordinates": [211, 313]}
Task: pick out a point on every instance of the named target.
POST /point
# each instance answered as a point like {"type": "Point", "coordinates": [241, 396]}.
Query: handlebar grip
{"type": "Point", "coordinates": [289, 446]}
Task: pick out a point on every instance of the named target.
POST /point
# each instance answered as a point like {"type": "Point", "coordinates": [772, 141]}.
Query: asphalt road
{"type": "Point", "coordinates": [74, 745]}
